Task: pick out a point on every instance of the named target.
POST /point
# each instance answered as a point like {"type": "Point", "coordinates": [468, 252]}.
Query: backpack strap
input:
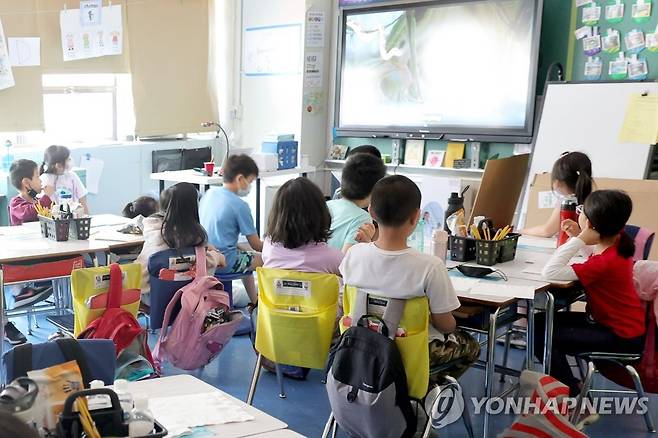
{"type": "Point", "coordinates": [72, 351]}
{"type": "Point", "coordinates": [22, 360]}
{"type": "Point", "coordinates": [116, 287]}
{"type": "Point", "coordinates": [392, 315]}
{"type": "Point", "coordinates": [201, 268]}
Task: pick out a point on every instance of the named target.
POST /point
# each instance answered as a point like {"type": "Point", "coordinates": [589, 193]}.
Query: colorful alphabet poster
{"type": "Point", "coordinates": [91, 40]}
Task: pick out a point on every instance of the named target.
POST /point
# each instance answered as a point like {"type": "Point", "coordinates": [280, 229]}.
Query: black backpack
{"type": "Point", "coordinates": [366, 380]}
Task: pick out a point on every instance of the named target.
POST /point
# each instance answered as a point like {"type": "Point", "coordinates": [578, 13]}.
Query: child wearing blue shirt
{"type": "Point", "coordinates": [348, 214]}
{"type": "Point", "coordinates": [225, 215]}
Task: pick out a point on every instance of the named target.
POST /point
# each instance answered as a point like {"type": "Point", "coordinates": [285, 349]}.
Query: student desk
{"type": "Point", "coordinates": [525, 270]}
{"type": "Point", "coordinates": [184, 384]}
{"type": "Point", "coordinates": [25, 243]}
{"type": "Point", "coordinates": [201, 180]}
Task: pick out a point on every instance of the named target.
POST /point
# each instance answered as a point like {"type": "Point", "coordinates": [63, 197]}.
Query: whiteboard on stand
{"type": "Point", "coordinates": [587, 117]}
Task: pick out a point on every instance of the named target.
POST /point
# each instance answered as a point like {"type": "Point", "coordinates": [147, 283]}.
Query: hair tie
{"type": "Point", "coordinates": [578, 172]}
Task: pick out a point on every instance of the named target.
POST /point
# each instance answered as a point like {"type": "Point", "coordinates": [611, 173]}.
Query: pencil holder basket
{"type": "Point", "coordinates": [80, 228]}
{"type": "Point", "coordinates": [462, 249]}
{"type": "Point", "coordinates": [55, 229]}
{"type": "Point", "coordinates": [508, 248]}
{"type": "Point", "coordinates": [486, 252]}
{"type": "Point", "coordinates": [490, 252]}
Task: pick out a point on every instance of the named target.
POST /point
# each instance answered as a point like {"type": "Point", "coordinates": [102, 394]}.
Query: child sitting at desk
{"type": "Point", "coordinates": [144, 206]}
{"type": "Point", "coordinates": [24, 176]}
{"type": "Point", "coordinates": [614, 321]}
{"type": "Point", "coordinates": [571, 176]}
{"type": "Point", "coordinates": [389, 268]}
{"type": "Point", "coordinates": [57, 175]}
{"type": "Point", "coordinates": [298, 230]}
{"type": "Point", "coordinates": [175, 226]}
{"type": "Point", "coordinates": [226, 216]}
{"type": "Point", "coordinates": [360, 174]}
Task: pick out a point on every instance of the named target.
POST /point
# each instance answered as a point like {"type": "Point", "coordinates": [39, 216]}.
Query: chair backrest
{"type": "Point", "coordinates": [643, 238]}
{"type": "Point", "coordinates": [413, 347]}
{"type": "Point", "coordinates": [99, 354]}
{"type": "Point", "coordinates": [162, 291]}
{"type": "Point", "coordinates": [89, 288]}
{"type": "Point", "coordinates": [296, 316]}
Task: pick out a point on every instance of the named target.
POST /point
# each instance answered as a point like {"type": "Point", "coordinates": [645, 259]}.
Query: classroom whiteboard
{"type": "Point", "coordinates": [587, 118]}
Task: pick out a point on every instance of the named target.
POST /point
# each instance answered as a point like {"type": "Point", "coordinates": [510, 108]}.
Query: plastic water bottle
{"type": "Point", "coordinates": [141, 420]}
{"type": "Point", "coordinates": [7, 156]}
{"type": "Point", "coordinates": [125, 397]}
{"type": "Point", "coordinates": [98, 401]}
{"type": "Point", "coordinates": [440, 244]}
{"type": "Point", "coordinates": [416, 240]}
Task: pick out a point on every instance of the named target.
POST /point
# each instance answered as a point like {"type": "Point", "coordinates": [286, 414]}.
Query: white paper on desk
{"type": "Point", "coordinates": [94, 168]}
{"type": "Point", "coordinates": [181, 413]}
{"type": "Point", "coordinates": [24, 52]}
{"type": "Point", "coordinates": [496, 289]}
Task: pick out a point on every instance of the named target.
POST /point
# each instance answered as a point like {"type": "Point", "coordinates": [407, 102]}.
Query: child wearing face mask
{"type": "Point", "coordinates": [57, 175]}
{"type": "Point", "coordinates": [226, 216]}
{"type": "Point", "coordinates": [571, 176]}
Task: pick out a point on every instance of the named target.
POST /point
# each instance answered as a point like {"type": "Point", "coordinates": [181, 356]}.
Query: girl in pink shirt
{"type": "Point", "coordinates": [298, 230]}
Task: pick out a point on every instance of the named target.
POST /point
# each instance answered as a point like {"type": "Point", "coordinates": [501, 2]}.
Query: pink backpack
{"type": "Point", "coordinates": [187, 344]}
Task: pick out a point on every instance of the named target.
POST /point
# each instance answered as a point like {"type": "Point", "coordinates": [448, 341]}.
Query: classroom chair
{"type": "Point", "coordinates": [96, 358]}
{"type": "Point", "coordinates": [296, 319]}
{"type": "Point", "coordinates": [621, 368]}
{"type": "Point", "coordinates": [414, 349]}
{"type": "Point", "coordinates": [90, 287]}
{"type": "Point", "coordinates": [643, 238]}
{"type": "Point", "coordinates": [162, 291]}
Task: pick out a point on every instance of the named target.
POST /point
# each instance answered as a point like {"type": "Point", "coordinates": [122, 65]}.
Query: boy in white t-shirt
{"type": "Point", "coordinates": [389, 268]}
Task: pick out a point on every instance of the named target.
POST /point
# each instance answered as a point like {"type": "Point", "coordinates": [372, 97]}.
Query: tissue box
{"type": "Point", "coordinates": [286, 152]}
{"type": "Point", "coordinates": [266, 162]}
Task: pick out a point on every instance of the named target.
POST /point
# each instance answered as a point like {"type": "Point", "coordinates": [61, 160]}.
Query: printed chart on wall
{"type": "Point", "coordinates": [91, 32]}
{"type": "Point", "coordinates": [272, 50]}
{"type": "Point", "coordinates": [6, 74]}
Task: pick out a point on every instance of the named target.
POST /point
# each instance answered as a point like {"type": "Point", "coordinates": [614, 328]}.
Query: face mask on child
{"type": "Point", "coordinates": [244, 192]}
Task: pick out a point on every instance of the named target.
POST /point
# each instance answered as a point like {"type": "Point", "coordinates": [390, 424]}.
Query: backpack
{"type": "Point", "coordinates": [121, 327]}
{"type": "Point", "coordinates": [366, 380]}
{"type": "Point", "coordinates": [188, 344]}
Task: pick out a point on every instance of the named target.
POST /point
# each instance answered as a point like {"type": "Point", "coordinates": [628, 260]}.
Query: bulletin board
{"type": "Point", "coordinates": [626, 25]}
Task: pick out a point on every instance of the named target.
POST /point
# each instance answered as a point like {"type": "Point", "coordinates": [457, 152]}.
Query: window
{"type": "Point", "coordinates": [88, 108]}
{"type": "Point", "coordinates": [83, 108]}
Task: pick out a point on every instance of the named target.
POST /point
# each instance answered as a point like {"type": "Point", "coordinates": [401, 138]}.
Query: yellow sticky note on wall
{"type": "Point", "coordinates": [455, 151]}
{"type": "Point", "coordinates": [641, 120]}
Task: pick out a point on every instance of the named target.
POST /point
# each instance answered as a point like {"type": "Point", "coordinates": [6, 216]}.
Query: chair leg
{"type": "Point", "coordinates": [328, 425]}
{"type": "Point", "coordinates": [508, 336]}
{"type": "Point", "coordinates": [334, 430]}
{"type": "Point", "coordinates": [29, 322]}
{"type": "Point", "coordinates": [587, 384]}
{"type": "Point", "coordinates": [279, 379]}
{"type": "Point", "coordinates": [254, 380]}
{"type": "Point", "coordinates": [648, 419]}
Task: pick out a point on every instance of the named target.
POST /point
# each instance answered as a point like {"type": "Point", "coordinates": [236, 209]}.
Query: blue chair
{"type": "Point", "coordinates": [98, 358]}
{"type": "Point", "coordinates": [162, 291]}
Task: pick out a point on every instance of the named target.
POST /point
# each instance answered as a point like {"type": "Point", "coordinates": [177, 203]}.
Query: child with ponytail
{"type": "Point", "coordinates": [571, 176]}
{"type": "Point", "coordinates": [614, 321]}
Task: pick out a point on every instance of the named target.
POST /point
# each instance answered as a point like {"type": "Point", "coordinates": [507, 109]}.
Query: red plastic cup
{"type": "Point", "coordinates": [210, 167]}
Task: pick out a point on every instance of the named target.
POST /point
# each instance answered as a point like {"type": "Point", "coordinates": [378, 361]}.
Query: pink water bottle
{"type": "Point", "coordinates": [567, 211]}
{"type": "Point", "coordinates": [440, 244]}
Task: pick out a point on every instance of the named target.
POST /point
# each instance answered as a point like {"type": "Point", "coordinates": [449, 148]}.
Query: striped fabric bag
{"type": "Point", "coordinates": [550, 417]}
